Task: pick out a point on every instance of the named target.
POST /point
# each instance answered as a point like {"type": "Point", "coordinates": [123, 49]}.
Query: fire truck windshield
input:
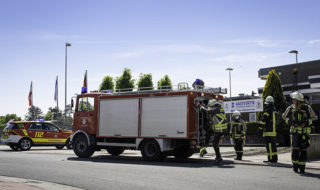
{"type": "Point", "coordinates": [85, 104]}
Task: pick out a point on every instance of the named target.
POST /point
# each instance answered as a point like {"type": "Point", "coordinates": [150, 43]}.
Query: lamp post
{"type": "Point", "coordinates": [295, 52]}
{"type": "Point", "coordinates": [65, 96]}
{"type": "Point", "coordinates": [230, 69]}
{"type": "Point", "coordinates": [295, 72]}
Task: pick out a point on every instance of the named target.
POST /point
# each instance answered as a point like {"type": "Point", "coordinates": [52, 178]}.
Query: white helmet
{"type": "Point", "coordinates": [269, 100]}
{"type": "Point", "coordinates": [236, 113]}
{"type": "Point", "coordinates": [297, 95]}
{"type": "Point", "coordinates": [212, 102]}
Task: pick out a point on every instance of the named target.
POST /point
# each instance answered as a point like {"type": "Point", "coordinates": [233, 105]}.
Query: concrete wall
{"type": "Point", "coordinates": [314, 149]}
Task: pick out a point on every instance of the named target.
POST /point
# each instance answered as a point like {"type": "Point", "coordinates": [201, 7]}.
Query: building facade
{"type": "Point", "coordinates": [303, 77]}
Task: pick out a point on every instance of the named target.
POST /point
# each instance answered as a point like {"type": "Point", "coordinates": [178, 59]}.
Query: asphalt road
{"type": "Point", "coordinates": [129, 171]}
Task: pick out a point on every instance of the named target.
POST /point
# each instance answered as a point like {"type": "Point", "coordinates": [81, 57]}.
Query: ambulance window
{"type": "Point", "coordinates": [35, 126]}
{"type": "Point", "coordinates": [50, 127]}
{"type": "Point", "coordinates": [12, 126]}
{"type": "Point", "coordinates": [86, 104]}
{"type": "Point", "coordinates": [20, 125]}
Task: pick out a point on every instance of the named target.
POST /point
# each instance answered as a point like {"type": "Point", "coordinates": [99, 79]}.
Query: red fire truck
{"type": "Point", "coordinates": [156, 122]}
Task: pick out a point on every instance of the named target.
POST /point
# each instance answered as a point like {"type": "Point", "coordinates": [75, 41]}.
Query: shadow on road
{"type": "Point", "coordinates": [313, 175]}
{"type": "Point", "coordinates": [169, 162]}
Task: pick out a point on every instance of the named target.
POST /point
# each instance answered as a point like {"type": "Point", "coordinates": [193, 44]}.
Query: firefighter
{"type": "Point", "coordinates": [238, 130]}
{"type": "Point", "coordinates": [298, 117]}
{"type": "Point", "coordinates": [269, 123]}
{"type": "Point", "coordinates": [218, 124]}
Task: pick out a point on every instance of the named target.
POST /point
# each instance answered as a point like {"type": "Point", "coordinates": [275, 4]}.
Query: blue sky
{"type": "Point", "coordinates": [185, 39]}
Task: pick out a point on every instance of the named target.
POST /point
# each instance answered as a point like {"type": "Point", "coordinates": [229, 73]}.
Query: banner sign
{"type": "Point", "coordinates": [250, 105]}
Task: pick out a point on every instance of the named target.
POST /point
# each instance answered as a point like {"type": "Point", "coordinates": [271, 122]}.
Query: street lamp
{"type": "Point", "coordinates": [230, 69]}
{"type": "Point", "coordinates": [65, 96]}
{"type": "Point", "coordinates": [296, 52]}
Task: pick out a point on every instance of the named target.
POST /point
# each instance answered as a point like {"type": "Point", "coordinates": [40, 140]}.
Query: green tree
{"type": "Point", "coordinates": [48, 116]}
{"type": "Point", "coordinates": [4, 119]}
{"type": "Point", "coordinates": [273, 88]}
{"type": "Point", "coordinates": [53, 114]}
{"type": "Point", "coordinates": [125, 81]}
{"type": "Point", "coordinates": [68, 119]}
{"type": "Point", "coordinates": [145, 82]}
{"type": "Point", "coordinates": [34, 113]}
{"type": "Point", "coordinates": [107, 83]}
{"type": "Point", "coordinates": [165, 83]}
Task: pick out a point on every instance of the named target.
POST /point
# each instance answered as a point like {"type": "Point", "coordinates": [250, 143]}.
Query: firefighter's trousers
{"type": "Point", "coordinates": [217, 138]}
{"type": "Point", "coordinates": [238, 147]}
{"type": "Point", "coordinates": [299, 151]}
{"type": "Point", "coordinates": [271, 148]}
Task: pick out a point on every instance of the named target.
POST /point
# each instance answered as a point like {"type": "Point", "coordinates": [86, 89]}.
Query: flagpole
{"type": "Point", "coordinates": [57, 93]}
{"type": "Point", "coordinates": [65, 96]}
{"type": "Point", "coordinates": [31, 94]}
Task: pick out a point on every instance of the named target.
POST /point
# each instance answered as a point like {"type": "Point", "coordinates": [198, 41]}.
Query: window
{"type": "Point", "coordinates": [86, 104]}
{"type": "Point", "coordinates": [15, 126]}
{"type": "Point", "coordinates": [35, 126]}
{"type": "Point", "coordinates": [50, 127]}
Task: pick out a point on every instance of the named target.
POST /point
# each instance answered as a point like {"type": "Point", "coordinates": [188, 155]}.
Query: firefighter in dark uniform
{"type": "Point", "coordinates": [238, 130]}
{"type": "Point", "coordinates": [299, 118]}
{"type": "Point", "coordinates": [269, 123]}
{"type": "Point", "coordinates": [218, 124]}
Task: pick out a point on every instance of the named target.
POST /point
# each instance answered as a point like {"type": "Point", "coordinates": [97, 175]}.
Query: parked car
{"type": "Point", "coordinates": [25, 134]}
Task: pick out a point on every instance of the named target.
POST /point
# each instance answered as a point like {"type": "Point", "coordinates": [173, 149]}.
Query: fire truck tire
{"type": "Point", "coordinates": [183, 152]}
{"type": "Point", "coordinates": [68, 144]}
{"type": "Point", "coordinates": [25, 144]}
{"type": "Point", "coordinates": [81, 147]}
{"type": "Point", "coordinates": [14, 147]}
{"type": "Point", "coordinates": [115, 151]}
{"type": "Point", "coordinates": [151, 151]}
{"type": "Point", "coordinates": [59, 146]}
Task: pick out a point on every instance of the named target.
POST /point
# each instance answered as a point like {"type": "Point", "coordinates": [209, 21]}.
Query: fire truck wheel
{"type": "Point", "coordinates": [115, 151]}
{"type": "Point", "coordinates": [25, 144]}
{"type": "Point", "coordinates": [81, 147]}
{"type": "Point", "coordinates": [151, 151]}
{"type": "Point", "coordinates": [68, 144]}
{"type": "Point", "coordinates": [183, 152]}
{"type": "Point", "coordinates": [59, 146]}
{"type": "Point", "coordinates": [14, 147]}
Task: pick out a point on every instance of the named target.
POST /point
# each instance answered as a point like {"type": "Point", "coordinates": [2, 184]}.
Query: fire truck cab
{"type": "Point", "coordinates": [159, 123]}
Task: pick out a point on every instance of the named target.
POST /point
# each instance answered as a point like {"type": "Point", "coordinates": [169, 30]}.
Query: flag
{"type": "Point", "coordinates": [84, 86]}
{"type": "Point", "coordinates": [30, 98]}
{"type": "Point", "coordinates": [56, 92]}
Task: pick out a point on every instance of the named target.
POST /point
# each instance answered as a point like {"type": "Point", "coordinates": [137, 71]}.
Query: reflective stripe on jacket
{"type": "Point", "coordinates": [238, 129]}
{"type": "Point", "coordinates": [270, 122]}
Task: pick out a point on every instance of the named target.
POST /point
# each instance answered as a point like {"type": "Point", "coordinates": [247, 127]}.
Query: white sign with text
{"type": "Point", "coordinates": [250, 105]}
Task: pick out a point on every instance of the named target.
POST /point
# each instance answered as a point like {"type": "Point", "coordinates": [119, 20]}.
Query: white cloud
{"type": "Point", "coordinates": [178, 49]}
{"type": "Point", "coordinates": [313, 42]}
{"type": "Point", "coordinates": [51, 36]}
{"type": "Point", "coordinates": [258, 42]}
{"type": "Point", "coordinates": [185, 49]}
{"type": "Point", "coordinates": [245, 58]}
{"type": "Point", "coordinates": [131, 54]}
